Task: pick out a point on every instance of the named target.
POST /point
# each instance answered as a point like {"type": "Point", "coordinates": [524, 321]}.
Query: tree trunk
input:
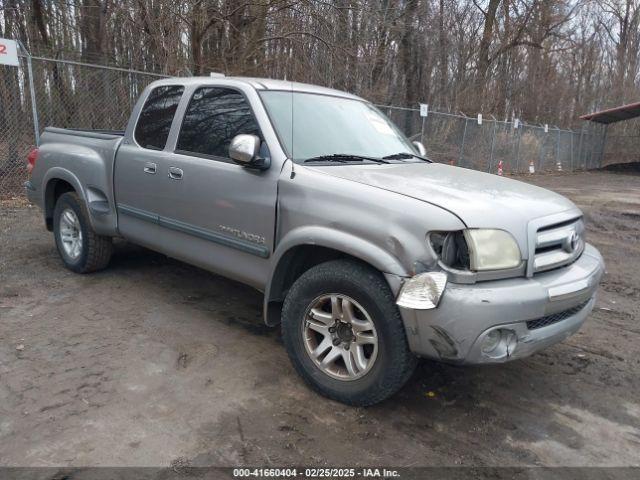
{"type": "Point", "coordinates": [483, 53]}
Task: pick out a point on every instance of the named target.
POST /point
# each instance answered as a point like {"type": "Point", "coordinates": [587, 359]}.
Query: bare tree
{"type": "Point", "coordinates": [548, 60]}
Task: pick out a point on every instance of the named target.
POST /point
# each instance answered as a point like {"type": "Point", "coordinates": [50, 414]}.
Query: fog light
{"type": "Point", "coordinates": [499, 343]}
{"type": "Point", "coordinates": [422, 291]}
{"type": "Point", "coordinates": [491, 341]}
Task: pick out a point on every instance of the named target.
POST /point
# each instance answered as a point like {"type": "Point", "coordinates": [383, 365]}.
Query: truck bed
{"type": "Point", "coordinates": [85, 160]}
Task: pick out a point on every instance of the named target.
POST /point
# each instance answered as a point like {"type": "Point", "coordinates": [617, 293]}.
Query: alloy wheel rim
{"type": "Point", "coordinates": [70, 234]}
{"type": "Point", "coordinates": [340, 337]}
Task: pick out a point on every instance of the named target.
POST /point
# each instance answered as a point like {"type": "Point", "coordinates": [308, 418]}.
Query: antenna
{"type": "Point", "coordinates": [293, 163]}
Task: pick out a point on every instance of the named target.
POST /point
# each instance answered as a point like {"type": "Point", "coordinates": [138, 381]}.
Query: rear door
{"type": "Point", "coordinates": [223, 214]}
{"type": "Point", "coordinates": [141, 184]}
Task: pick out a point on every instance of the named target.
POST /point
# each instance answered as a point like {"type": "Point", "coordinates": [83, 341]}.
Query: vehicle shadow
{"type": "Point", "coordinates": [232, 302]}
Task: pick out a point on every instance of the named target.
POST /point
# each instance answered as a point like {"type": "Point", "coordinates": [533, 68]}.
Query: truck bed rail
{"type": "Point", "coordinates": [102, 134]}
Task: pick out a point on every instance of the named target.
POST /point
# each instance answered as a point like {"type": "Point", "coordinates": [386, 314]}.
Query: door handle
{"type": "Point", "coordinates": [150, 167]}
{"type": "Point", "coordinates": [175, 173]}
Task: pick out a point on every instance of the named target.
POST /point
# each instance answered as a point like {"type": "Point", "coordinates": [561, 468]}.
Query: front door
{"type": "Point", "coordinates": [223, 214]}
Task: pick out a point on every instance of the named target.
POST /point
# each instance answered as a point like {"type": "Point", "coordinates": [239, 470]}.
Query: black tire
{"type": "Point", "coordinates": [394, 363]}
{"type": "Point", "coordinates": [95, 252]}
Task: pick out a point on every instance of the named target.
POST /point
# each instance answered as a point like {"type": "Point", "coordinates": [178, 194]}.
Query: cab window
{"type": "Point", "coordinates": [214, 116]}
{"type": "Point", "coordinates": [156, 116]}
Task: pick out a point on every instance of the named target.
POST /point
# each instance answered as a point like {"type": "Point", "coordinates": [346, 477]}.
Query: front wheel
{"type": "Point", "coordinates": [81, 249]}
{"type": "Point", "coordinates": [344, 334]}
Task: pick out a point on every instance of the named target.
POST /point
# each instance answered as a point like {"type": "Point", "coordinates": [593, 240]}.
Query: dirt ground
{"type": "Point", "coordinates": [156, 363]}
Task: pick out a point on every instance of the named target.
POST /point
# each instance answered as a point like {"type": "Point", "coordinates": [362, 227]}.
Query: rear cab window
{"type": "Point", "coordinates": [154, 122]}
{"type": "Point", "coordinates": [213, 117]}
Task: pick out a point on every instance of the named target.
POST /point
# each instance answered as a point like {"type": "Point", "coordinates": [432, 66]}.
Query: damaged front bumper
{"type": "Point", "coordinates": [498, 321]}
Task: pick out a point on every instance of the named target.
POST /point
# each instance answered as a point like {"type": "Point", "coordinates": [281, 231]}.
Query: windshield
{"type": "Point", "coordinates": [311, 125]}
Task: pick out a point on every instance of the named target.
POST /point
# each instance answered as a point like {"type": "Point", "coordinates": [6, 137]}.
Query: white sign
{"type": "Point", "coordinates": [516, 123]}
{"type": "Point", "coordinates": [8, 52]}
{"type": "Point", "coordinates": [424, 109]}
{"type": "Point", "coordinates": [479, 119]}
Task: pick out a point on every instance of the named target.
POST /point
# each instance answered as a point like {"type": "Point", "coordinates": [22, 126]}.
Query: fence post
{"type": "Point", "coordinates": [464, 135]}
{"type": "Point", "coordinates": [541, 156]}
{"type": "Point", "coordinates": [518, 148]}
{"type": "Point", "coordinates": [580, 146]}
{"type": "Point", "coordinates": [493, 142]}
{"type": "Point", "coordinates": [571, 151]}
{"type": "Point", "coordinates": [32, 90]}
{"type": "Point", "coordinates": [592, 151]}
{"type": "Point", "coordinates": [558, 164]}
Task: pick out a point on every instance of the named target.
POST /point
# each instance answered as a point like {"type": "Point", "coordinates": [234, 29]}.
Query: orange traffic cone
{"type": "Point", "coordinates": [500, 168]}
{"type": "Point", "coordinates": [532, 168]}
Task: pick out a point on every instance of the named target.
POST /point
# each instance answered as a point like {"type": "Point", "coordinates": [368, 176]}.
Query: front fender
{"type": "Point", "coordinates": [341, 241]}
{"type": "Point", "coordinates": [333, 239]}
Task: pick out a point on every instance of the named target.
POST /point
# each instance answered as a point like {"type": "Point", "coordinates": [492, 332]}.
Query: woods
{"type": "Point", "coordinates": [541, 60]}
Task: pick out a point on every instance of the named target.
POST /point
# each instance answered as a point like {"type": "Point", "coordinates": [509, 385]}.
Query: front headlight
{"type": "Point", "coordinates": [476, 249]}
{"type": "Point", "coordinates": [492, 249]}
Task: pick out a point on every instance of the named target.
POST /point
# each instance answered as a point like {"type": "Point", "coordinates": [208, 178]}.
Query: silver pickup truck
{"type": "Point", "coordinates": [369, 255]}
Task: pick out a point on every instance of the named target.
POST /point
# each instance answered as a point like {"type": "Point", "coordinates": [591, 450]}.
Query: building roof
{"type": "Point", "coordinates": [612, 115]}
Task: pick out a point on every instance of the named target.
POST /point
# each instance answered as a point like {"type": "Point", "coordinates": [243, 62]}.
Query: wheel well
{"type": "Point", "coordinates": [55, 188]}
{"type": "Point", "coordinates": [291, 266]}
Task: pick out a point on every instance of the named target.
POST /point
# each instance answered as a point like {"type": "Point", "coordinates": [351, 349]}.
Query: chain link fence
{"type": "Point", "coordinates": [16, 127]}
{"type": "Point", "coordinates": [66, 94]}
{"type": "Point", "coordinates": [74, 95]}
{"type": "Point", "coordinates": [494, 146]}
{"type": "Point", "coordinates": [77, 95]}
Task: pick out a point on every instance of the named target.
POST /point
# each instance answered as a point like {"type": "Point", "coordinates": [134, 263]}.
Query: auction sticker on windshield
{"type": "Point", "coordinates": [379, 124]}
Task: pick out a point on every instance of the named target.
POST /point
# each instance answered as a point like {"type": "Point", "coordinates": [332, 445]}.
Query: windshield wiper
{"type": "Point", "coordinates": [344, 158]}
{"type": "Point", "coordinates": [404, 156]}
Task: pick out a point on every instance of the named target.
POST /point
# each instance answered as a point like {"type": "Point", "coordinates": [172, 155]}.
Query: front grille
{"type": "Point", "coordinates": [555, 317]}
{"type": "Point", "coordinates": [558, 245]}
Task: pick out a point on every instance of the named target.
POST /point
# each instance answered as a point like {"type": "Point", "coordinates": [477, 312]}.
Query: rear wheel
{"type": "Point", "coordinates": [80, 248]}
{"type": "Point", "coordinates": [344, 334]}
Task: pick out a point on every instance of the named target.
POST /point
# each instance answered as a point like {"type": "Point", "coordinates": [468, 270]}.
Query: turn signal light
{"type": "Point", "coordinates": [423, 291]}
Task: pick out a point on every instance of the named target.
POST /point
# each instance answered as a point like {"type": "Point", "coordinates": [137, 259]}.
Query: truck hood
{"type": "Point", "coordinates": [480, 200]}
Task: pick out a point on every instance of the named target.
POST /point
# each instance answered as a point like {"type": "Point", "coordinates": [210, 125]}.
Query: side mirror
{"type": "Point", "coordinates": [244, 149]}
{"type": "Point", "coordinates": [420, 147]}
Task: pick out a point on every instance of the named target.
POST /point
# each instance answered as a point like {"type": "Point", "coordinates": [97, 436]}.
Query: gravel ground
{"type": "Point", "coordinates": [156, 363]}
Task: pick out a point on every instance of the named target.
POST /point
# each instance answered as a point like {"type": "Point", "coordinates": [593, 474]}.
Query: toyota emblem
{"type": "Point", "coordinates": [572, 241]}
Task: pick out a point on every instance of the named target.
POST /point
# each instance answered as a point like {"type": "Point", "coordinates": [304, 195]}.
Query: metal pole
{"type": "Point", "coordinates": [32, 89]}
{"type": "Point", "coordinates": [558, 162]}
{"type": "Point", "coordinates": [464, 135]}
{"type": "Point", "coordinates": [541, 156]}
{"type": "Point", "coordinates": [104, 67]}
{"type": "Point", "coordinates": [580, 146]}
{"type": "Point", "coordinates": [571, 152]}
{"type": "Point", "coordinates": [518, 149]}
{"type": "Point", "coordinates": [493, 142]}
{"type": "Point", "coordinates": [592, 145]}
{"type": "Point", "coordinates": [422, 131]}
